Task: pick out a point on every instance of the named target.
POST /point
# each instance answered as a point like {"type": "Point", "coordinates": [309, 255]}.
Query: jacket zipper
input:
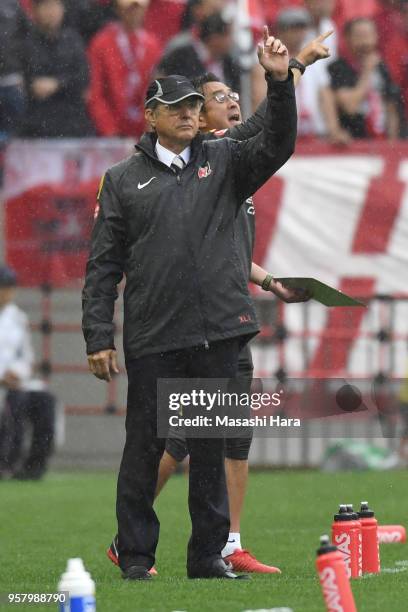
{"type": "Point", "coordinates": [178, 179]}
{"type": "Point", "coordinates": [206, 343]}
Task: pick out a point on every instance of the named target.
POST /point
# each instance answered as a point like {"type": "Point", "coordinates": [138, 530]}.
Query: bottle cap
{"type": "Point", "coordinates": [365, 511]}
{"type": "Point", "coordinates": [75, 565]}
{"type": "Point", "coordinates": [343, 514]}
{"type": "Point", "coordinates": [351, 511]}
{"type": "Point", "coordinates": [325, 546]}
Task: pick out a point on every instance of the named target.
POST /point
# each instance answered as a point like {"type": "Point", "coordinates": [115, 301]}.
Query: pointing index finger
{"type": "Point", "coordinates": [323, 37]}
{"type": "Point", "coordinates": [265, 33]}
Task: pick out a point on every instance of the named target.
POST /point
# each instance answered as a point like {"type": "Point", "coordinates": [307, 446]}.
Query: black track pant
{"type": "Point", "coordinates": [138, 525]}
{"type": "Point", "coordinates": [36, 408]}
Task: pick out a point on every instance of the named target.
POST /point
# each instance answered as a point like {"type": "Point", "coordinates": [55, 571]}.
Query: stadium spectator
{"type": "Point", "coordinates": [366, 97]}
{"type": "Point", "coordinates": [12, 97]}
{"type": "Point", "coordinates": [393, 41]}
{"type": "Point", "coordinates": [321, 16]}
{"type": "Point", "coordinates": [56, 74]}
{"type": "Point", "coordinates": [122, 58]}
{"type": "Point", "coordinates": [210, 51]}
{"type": "Point", "coordinates": [26, 399]}
{"type": "Point", "coordinates": [194, 14]}
{"type": "Point", "coordinates": [316, 106]}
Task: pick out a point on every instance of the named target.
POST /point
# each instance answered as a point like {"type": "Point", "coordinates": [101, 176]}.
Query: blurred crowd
{"type": "Point", "coordinates": [76, 68]}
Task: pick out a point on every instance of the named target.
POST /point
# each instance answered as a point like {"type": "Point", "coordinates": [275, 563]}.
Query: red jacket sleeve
{"type": "Point", "coordinates": [99, 108]}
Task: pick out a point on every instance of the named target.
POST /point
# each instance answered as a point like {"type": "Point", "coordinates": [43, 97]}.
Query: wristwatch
{"type": "Point", "coordinates": [267, 282]}
{"type": "Point", "coordinates": [294, 63]}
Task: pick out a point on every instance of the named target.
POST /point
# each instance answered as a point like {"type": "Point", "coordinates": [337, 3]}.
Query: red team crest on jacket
{"type": "Point", "coordinates": [204, 171]}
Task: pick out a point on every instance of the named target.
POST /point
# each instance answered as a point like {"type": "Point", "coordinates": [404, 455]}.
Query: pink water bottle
{"type": "Point", "coordinates": [333, 578]}
{"type": "Point", "coordinates": [371, 550]}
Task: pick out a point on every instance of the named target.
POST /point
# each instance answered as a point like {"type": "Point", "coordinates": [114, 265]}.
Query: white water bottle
{"type": "Point", "coordinates": [78, 584]}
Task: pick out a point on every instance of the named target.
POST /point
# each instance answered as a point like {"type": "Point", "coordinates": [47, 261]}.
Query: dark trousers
{"type": "Point", "coordinates": [12, 106]}
{"type": "Point", "coordinates": [38, 409]}
{"type": "Point", "coordinates": [138, 525]}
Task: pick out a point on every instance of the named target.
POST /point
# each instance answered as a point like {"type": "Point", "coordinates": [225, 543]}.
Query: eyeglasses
{"type": "Point", "coordinates": [221, 96]}
{"type": "Point", "coordinates": [192, 104]}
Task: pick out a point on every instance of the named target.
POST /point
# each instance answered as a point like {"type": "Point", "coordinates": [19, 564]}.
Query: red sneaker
{"type": "Point", "coordinates": [112, 554]}
{"type": "Point", "coordinates": [243, 561]}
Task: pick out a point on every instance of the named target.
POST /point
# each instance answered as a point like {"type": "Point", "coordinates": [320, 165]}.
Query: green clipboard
{"type": "Point", "coordinates": [321, 292]}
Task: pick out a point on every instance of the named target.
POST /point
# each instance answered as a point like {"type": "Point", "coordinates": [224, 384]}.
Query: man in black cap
{"type": "Point", "coordinates": [166, 219]}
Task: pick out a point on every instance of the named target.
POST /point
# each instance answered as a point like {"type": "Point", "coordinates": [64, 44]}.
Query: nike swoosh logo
{"type": "Point", "coordinates": [231, 541]}
{"type": "Point", "coordinates": [140, 185]}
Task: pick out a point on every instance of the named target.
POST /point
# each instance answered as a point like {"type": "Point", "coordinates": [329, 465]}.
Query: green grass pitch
{"type": "Point", "coordinates": [69, 515]}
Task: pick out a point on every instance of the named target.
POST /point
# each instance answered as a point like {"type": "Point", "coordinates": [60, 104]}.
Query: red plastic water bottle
{"type": "Point", "coordinates": [371, 550]}
{"type": "Point", "coordinates": [388, 534]}
{"type": "Point", "coordinates": [333, 578]}
{"type": "Point", "coordinates": [359, 536]}
{"type": "Point", "coordinates": [345, 535]}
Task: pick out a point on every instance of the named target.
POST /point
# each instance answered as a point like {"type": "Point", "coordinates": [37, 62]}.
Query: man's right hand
{"type": "Point", "coordinates": [315, 50]}
{"type": "Point", "coordinates": [103, 363]}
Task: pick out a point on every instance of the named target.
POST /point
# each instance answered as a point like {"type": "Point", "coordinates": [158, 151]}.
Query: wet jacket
{"type": "Point", "coordinates": [174, 237]}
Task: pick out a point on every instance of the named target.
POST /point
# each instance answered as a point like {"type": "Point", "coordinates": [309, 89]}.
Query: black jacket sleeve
{"type": "Point", "coordinates": [104, 270]}
{"type": "Point", "coordinates": [251, 127]}
{"type": "Point", "coordinates": [257, 159]}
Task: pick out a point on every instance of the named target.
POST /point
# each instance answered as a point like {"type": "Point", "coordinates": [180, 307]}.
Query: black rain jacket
{"type": "Point", "coordinates": [174, 237]}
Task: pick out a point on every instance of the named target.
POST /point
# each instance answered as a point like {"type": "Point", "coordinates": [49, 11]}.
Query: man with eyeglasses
{"type": "Point", "coordinates": [165, 218]}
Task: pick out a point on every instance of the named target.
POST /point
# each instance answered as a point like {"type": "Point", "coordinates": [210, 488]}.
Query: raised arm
{"type": "Point", "coordinates": [312, 52]}
{"type": "Point", "coordinates": [255, 160]}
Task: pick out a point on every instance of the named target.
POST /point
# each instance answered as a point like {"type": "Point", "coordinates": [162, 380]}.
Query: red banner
{"type": "Point", "coordinates": [337, 214]}
{"type": "Point", "coordinates": [48, 229]}
{"type": "Point", "coordinates": [50, 190]}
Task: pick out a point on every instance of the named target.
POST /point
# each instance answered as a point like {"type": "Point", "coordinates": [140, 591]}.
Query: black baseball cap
{"type": "Point", "coordinates": [8, 278]}
{"type": "Point", "coordinates": [171, 89]}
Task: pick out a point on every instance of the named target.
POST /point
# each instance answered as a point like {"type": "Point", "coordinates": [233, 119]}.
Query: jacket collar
{"type": "Point", "coordinates": [148, 141]}
{"type": "Point", "coordinates": [167, 157]}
